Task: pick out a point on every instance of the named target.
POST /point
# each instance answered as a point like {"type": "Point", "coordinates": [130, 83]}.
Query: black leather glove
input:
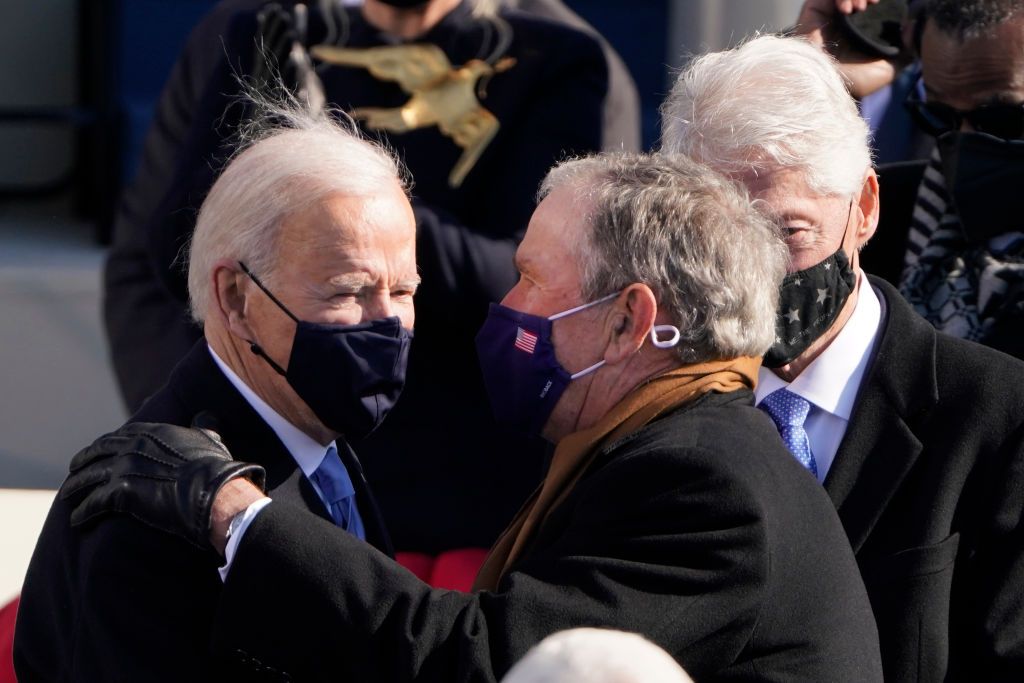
{"type": "Point", "coordinates": [162, 475]}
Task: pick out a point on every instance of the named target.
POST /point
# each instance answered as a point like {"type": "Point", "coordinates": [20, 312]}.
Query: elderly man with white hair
{"type": "Point", "coordinates": [632, 340]}
{"type": "Point", "coordinates": [917, 437]}
{"type": "Point", "coordinates": [302, 273]}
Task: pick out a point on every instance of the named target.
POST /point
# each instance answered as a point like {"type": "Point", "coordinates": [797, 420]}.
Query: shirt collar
{"type": "Point", "coordinates": [306, 451]}
{"type": "Point", "coordinates": [832, 379]}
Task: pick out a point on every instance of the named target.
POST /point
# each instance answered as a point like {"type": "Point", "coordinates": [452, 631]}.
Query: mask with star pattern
{"type": "Point", "coordinates": [809, 302]}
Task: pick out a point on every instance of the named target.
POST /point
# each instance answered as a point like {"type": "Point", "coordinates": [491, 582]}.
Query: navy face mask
{"type": "Point", "coordinates": [523, 378]}
{"type": "Point", "coordinates": [349, 375]}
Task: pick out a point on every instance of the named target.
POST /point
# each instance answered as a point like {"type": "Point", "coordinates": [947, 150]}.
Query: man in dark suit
{"type": "Point", "coordinates": [917, 437]}
{"type": "Point", "coordinates": [669, 509]}
{"type": "Point", "coordinates": [301, 273]}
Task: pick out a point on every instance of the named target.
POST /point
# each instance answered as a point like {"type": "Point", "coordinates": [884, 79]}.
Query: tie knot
{"type": "Point", "coordinates": [786, 408]}
{"type": "Point", "coordinates": [332, 477]}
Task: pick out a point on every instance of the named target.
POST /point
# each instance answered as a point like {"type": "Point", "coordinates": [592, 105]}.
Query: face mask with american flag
{"type": "Point", "coordinates": [523, 378]}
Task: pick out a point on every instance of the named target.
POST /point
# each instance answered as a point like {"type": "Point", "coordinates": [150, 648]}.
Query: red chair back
{"type": "Point", "coordinates": [8, 615]}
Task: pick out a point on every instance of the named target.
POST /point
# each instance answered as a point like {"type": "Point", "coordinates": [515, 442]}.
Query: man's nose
{"type": "Point", "coordinates": [378, 306]}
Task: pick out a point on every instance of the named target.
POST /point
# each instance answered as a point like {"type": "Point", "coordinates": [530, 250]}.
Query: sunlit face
{"type": "Point", "coordinates": [342, 261]}
{"type": "Point", "coordinates": [814, 224]}
{"type": "Point", "coordinates": [983, 70]}
{"type": "Point", "coordinates": [549, 283]}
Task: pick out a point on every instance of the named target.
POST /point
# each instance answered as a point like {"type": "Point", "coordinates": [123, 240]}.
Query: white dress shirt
{"type": "Point", "coordinates": [831, 382]}
{"type": "Point", "coordinates": [306, 451]}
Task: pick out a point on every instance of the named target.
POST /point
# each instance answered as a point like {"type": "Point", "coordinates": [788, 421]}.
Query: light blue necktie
{"type": "Point", "coordinates": [336, 486]}
{"type": "Point", "coordinates": [788, 411]}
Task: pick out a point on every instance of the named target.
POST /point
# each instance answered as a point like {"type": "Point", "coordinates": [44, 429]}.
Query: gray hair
{"type": "Point", "coordinates": [773, 103]}
{"type": "Point", "coordinates": [289, 159]}
{"type": "Point", "coordinates": [596, 656]}
{"type": "Point", "coordinates": [691, 235]}
{"type": "Point", "coordinates": [967, 19]}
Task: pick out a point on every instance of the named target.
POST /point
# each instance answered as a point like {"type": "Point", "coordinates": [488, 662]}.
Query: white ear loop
{"type": "Point", "coordinates": [584, 307]}
{"type": "Point", "coordinates": [665, 343]}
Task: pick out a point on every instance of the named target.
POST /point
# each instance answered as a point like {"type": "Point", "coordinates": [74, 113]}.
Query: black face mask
{"type": "Point", "coordinates": [809, 302]}
{"type": "Point", "coordinates": [985, 177]}
{"type": "Point", "coordinates": [349, 375]}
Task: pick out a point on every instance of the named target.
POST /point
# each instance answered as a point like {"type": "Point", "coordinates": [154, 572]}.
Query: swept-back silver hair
{"type": "Point", "coordinates": [773, 103]}
{"type": "Point", "coordinates": [290, 158]}
{"type": "Point", "coordinates": [691, 235]}
{"type": "Point", "coordinates": [596, 656]}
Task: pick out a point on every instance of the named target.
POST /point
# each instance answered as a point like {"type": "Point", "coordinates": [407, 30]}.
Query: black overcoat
{"type": "Point", "coordinates": [120, 602]}
{"type": "Point", "coordinates": [700, 532]}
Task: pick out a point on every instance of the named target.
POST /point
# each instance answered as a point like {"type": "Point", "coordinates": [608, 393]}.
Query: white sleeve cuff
{"type": "Point", "coordinates": [236, 530]}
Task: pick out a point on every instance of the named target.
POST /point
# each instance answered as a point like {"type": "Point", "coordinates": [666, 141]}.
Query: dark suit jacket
{"type": "Point", "coordinates": [117, 602]}
{"type": "Point", "coordinates": [700, 532]}
{"type": "Point", "coordinates": [929, 484]}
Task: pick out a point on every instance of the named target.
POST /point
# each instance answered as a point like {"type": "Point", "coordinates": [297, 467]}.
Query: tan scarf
{"type": "Point", "coordinates": [576, 451]}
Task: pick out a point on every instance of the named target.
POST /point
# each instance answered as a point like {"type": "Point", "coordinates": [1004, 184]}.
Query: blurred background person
{"type": "Point", "coordinates": [951, 236]}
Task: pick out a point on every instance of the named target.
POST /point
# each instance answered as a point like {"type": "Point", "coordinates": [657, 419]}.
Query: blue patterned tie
{"type": "Point", "coordinates": [336, 485]}
{"type": "Point", "coordinates": [789, 411]}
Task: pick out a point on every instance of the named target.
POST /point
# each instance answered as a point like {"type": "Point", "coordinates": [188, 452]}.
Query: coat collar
{"type": "Point", "coordinates": [881, 444]}
{"type": "Point", "coordinates": [198, 385]}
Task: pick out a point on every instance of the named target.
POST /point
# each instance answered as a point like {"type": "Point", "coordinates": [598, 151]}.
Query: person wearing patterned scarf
{"type": "Point", "coordinates": [964, 260]}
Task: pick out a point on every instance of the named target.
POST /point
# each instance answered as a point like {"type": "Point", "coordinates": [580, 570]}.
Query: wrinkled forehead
{"type": "Point", "coordinates": [336, 231]}
{"type": "Point", "coordinates": [976, 70]}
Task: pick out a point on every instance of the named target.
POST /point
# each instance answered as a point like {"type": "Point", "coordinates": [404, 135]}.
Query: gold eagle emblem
{"type": "Point", "coordinates": [441, 96]}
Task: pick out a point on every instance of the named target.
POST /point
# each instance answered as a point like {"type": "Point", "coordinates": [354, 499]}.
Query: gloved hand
{"type": "Point", "coordinates": [162, 475]}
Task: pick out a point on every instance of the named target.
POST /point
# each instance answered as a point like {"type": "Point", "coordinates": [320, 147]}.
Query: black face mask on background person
{"type": "Point", "coordinates": [985, 177]}
{"type": "Point", "coordinates": [349, 375]}
{"type": "Point", "coordinates": [809, 302]}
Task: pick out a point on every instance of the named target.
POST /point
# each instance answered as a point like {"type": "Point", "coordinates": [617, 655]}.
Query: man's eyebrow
{"type": "Point", "coordinates": [352, 280]}
{"type": "Point", "coordinates": [408, 282]}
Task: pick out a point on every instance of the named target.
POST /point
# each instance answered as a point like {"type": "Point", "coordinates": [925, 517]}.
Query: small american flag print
{"type": "Point", "coordinates": [525, 341]}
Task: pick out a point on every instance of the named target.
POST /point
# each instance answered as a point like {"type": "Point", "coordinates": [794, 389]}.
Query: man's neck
{"type": "Point", "coordinates": [268, 386]}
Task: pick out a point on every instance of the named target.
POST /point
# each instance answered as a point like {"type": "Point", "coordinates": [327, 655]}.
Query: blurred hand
{"type": "Point", "coordinates": [819, 23]}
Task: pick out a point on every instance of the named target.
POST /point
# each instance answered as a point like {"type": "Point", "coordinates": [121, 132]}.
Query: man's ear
{"type": "Point", "coordinates": [868, 203]}
{"type": "Point", "coordinates": [230, 287]}
{"type": "Point", "coordinates": [631, 320]}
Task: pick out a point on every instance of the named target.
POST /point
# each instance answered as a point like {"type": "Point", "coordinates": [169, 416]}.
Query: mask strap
{"type": "Point", "coordinates": [846, 228]}
{"type": "Point", "coordinates": [258, 350]}
{"type": "Point", "coordinates": [266, 291]}
{"type": "Point", "coordinates": [587, 371]}
{"type": "Point", "coordinates": [665, 343]}
{"type": "Point", "coordinates": [583, 307]}
{"type": "Point", "coordinates": [253, 346]}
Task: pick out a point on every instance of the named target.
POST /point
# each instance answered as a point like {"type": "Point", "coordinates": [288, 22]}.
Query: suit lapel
{"type": "Point", "coordinates": [200, 386]}
{"type": "Point", "coordinates": [373, 522]}
{"type": "Point", "coordinates": [881, 446]}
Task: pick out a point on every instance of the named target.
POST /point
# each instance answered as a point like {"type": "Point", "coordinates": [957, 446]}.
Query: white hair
{"type": "Point", "coordinates": [290, 158]}
{"type": "Point", "coordinates": [691, 235]}
{"type": "Point", "coordinates": [773, 103]}
{"type": "Point", "coordinates": [596, 656]}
